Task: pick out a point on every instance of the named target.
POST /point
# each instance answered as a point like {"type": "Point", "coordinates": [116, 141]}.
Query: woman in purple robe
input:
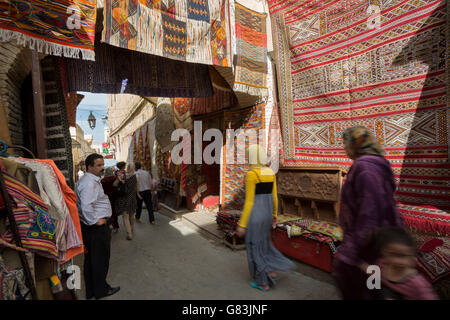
{"type": "Point", "coordinates": [367, 205]}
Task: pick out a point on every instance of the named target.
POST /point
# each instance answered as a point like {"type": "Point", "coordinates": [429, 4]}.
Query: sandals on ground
{"type": "Point", "coordinates": [256, 286]}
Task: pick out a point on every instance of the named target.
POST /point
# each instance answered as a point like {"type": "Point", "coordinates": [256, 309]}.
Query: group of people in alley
{"type": "Point", "coordinates": [100, 202]}
{"type": "Point", "coordinates": [374, 232]}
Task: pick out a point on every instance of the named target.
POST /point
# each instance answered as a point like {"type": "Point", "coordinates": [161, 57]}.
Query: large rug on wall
{"type": "Point", "coordinates": [380, 64]}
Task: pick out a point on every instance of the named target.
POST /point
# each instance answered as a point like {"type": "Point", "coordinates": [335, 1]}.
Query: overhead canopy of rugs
{"type": "Point", "coordinates": [117, 70]}
{"type": "Point", "coordinates": [59, 27]}
{"type": "Point", "coordinates": [186, 30]}
{"type": "Point", "coordinates": [339, 67]}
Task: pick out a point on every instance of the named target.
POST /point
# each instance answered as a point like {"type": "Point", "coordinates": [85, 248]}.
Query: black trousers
{"type": "Point", "coordinates": [97, 240]}
{"type": "Point", "coordinates": [147, 198]}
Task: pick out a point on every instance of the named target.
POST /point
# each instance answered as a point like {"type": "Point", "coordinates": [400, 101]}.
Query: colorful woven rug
{"type": "Point", "coordinates": [140, 74]}
{"type": "Point", "coordinates": [434, 264]}
{"type": "Point", "coordinates": [51, 27]}
{"type": "Point", "coordinates": [233, 185]}
{"type": "Point", "coordinates": [341, 64]}
{"type": "Point", "coordinates": [251, 51]}
{"type": "Point", "coordinates": [188, 30]}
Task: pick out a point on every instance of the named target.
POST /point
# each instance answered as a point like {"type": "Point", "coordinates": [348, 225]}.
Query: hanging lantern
{"type": "Point", "coordinates": [91, 121]}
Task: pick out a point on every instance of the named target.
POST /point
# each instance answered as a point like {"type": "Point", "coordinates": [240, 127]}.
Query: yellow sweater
{"type": "Point", "coordinates": [253, 177]}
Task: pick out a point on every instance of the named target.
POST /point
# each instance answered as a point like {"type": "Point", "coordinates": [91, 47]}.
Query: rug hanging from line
{"type": "Point", "coordinates": [251, 51]}
{"type": "Point", "coordinates": [119, 70]}
{"type": "Point", "coordinates": [233, 185]}
{"type": "Point", "coordinates": [339, 66]}
{"type": "Point", "coordinates": [60, 28]}
{"type": "Point", "coordinates": [195, 31]}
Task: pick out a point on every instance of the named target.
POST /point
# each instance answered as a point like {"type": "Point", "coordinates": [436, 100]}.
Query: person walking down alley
{"type": "Point", "coordinates": [258, 216]}
{"type": "Point", "coordinates": [145, 188]}
{"type": "Point", "coordinates": [367, 205]}
{"type": "Point", "coordinates": [126, 203]}
{"type": "Point", "coordinates": [95, 210]}
{"type": "Point", "coordinates": [110, 183]}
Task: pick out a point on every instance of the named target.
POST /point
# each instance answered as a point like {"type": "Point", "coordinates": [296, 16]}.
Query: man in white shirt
{"type": "Point", "coordinates": [145, 192]}
{"type": "Point", "coordinates": [94, 210]}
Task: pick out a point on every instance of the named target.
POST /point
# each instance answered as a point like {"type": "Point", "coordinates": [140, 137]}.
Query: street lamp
{"type": "Point", "coordinates": [91, 121]}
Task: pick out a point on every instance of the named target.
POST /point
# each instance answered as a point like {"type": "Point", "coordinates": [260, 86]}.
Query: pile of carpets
{"type": "Point", "coordinates": [433, 261]}
{"type": "Point", "coordinates": [320, 231]}
{"type": "Point", "coordinates": [433, 257]}
{"type": "Point", "coordinates": [227, 220]}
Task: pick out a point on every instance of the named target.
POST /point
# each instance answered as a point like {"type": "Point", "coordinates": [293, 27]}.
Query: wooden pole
{"type": "Point", "coordinates": [38, 106]}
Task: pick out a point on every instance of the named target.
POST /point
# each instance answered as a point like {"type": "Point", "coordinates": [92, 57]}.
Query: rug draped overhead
{"type": "Point", "coordinates": [117, 70]}
{"type": "Point", "coordinates": [59, 27]}
{"type": "Point", "coordinates": [188, 30]}
{"type": "Point", "coordinates": [339, 64]}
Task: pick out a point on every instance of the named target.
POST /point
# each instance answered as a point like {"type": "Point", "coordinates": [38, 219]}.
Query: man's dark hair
{"type": "Point", "coordinates": [390, 235]}
{"type": "Point", "coordinates": [90, 160]}
{"type": "Point", "coordinates": [121, 165]}
{"type": "Point", "coordinates": [137, 165]}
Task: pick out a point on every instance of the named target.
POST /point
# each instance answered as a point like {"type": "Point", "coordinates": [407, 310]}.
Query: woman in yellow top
{"type": "Point", "coordinates": [260, 212]}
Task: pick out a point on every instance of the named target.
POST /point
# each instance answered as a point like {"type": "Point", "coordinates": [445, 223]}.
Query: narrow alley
{"type": "Point", "coordinates": [171, 260]}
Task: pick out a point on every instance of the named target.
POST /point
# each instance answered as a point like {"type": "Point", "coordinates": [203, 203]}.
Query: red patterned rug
{"type": "Point", "coordinates": [51, 27]}
{"type": "Point", "coordinates": [434, 257]}
{"type": "Point", "coordinates": [380, 64]}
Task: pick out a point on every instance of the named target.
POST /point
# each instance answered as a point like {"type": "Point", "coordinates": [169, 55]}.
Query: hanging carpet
{"type": "Point", "coordinates": [383, 65]}
{"type": "Point", "coordinates": [188, 30]}
{"type": "Point", "coordinates": [233, 186]}
{"type": "Point", "coordinates": [59, 27]}
{"type": "Point", "coordinates": [117, 70]}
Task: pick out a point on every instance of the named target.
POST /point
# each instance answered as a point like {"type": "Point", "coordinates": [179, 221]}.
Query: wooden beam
{"type": "Point", "coordinates": [38, 105]}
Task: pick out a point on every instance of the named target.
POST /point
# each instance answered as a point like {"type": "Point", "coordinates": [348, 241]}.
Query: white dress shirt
{"type": "Point", "coordinates": [144, 180]}
{"type": "Point", "coordinates": [92, 202]}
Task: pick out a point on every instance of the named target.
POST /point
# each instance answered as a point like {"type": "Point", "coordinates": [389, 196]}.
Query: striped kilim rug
{"type": "Point", "coordinates": [58, 27]}
{"type": "Point", "coordinates": [188, 30]}
{"type": "Point", "coordinates": [380, 64]}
